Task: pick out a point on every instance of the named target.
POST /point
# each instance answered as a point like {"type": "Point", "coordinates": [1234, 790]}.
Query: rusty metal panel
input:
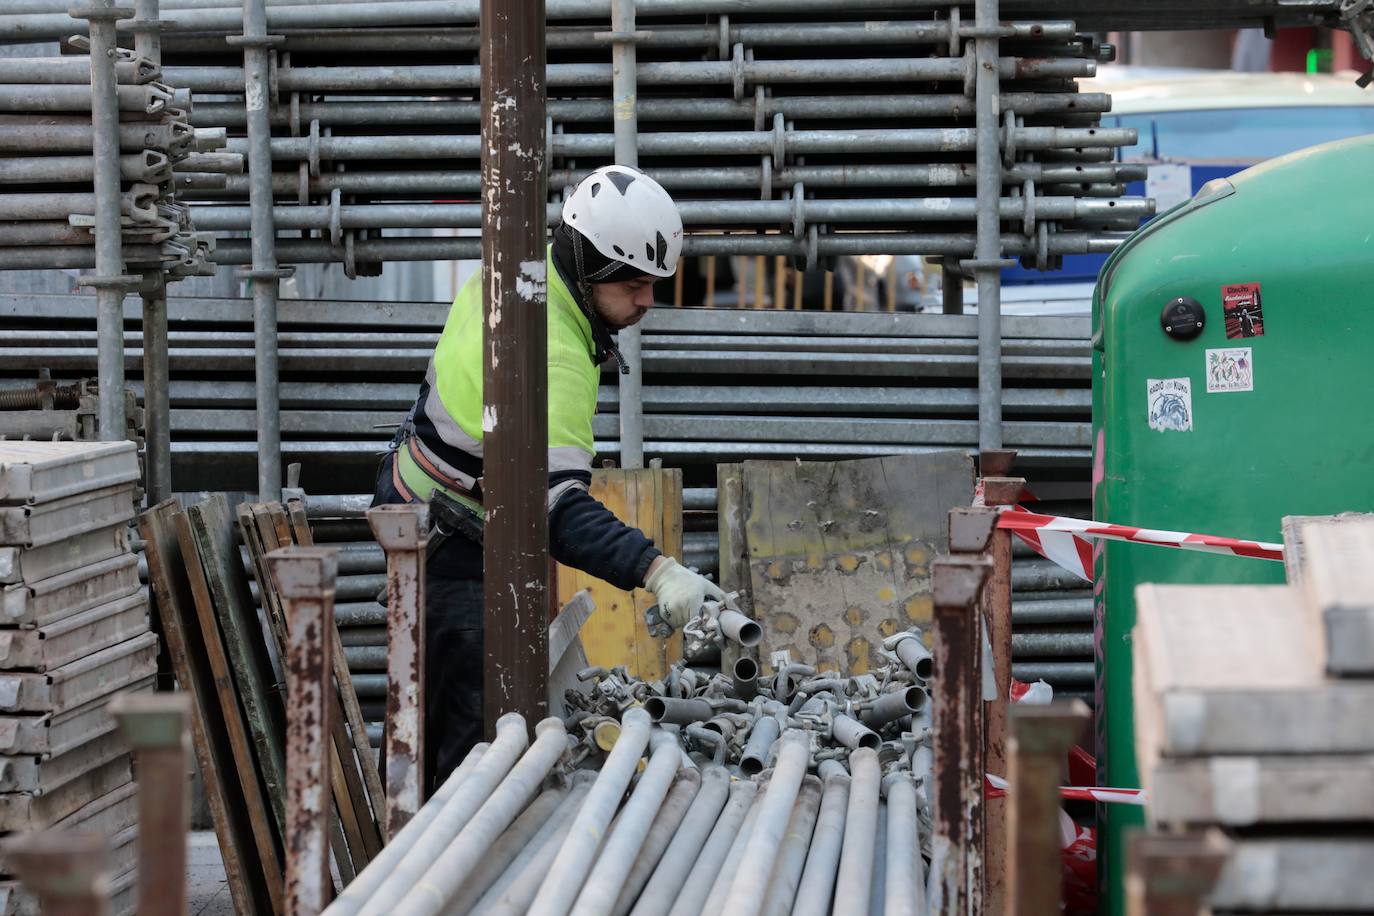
{"type": "Point", "coordinates": [39, 603]}
{"type": "Point", "coordinates": [43, 776]}
{"type": "Point", "coordinates": [48, 523]}
{"type": "Point", "coordinates": [59, 732]}
{"type": "Point", "coordinates": [36, 472]}
{"type": "Point", "coordinates": [34, 564]}
{"type": "Point", "coordinates": [25, 811]}
{"type": "Point", "coordinates": [55, 644]}
{"type": "Point", "coordinates": [78, 682]}
{"type": "Point", "coordinates": [840, 552]}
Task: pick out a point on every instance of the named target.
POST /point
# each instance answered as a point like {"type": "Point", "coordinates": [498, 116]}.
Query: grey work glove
{"type": "Point", "coordinates": [680, 591]}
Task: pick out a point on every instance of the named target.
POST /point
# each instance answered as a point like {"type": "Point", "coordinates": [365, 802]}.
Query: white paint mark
{"type": "Point", "coordinates": [530, 284]}
{"type": "Point", "coordinates": [488, 418]}
{"type": "Point", "coordinates": [255, 98]}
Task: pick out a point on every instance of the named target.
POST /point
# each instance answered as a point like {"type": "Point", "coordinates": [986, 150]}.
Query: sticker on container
{"type": "Point", "coordinates": [1242, 309]}
{"type": "Point", "coordinates": [1171, 404]}
{"type": "Point", "coordinates": [1231, 369]}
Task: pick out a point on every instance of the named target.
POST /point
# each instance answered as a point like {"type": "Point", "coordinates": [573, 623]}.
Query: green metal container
{"type": "Point", "coordinates": [1268, 411]}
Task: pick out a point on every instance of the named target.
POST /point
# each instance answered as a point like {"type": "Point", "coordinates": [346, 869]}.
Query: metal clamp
{"type": "Point", "coordinates": [350, 265]}
{"type": "Point", "coordinates": [313, 148]}
{"type": "Point", "coordinates": [1008, 138]}
{"type": "Point", "coordinates": [1028, 223]}
{"type": "Point", "coordinates": [737, 72]}
{"type": "Point", "coordinates": [335, 219]}
{"type": "Point", "coordinates": [101, 13]}
{"type": "Point", "coordinates": [723, 47]}
{"type": "Point", "coordinates": [798, 211]}
{"type": "Point", "coordinates": [779, 141]}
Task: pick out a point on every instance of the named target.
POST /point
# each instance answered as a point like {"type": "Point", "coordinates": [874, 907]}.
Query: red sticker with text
{"type": "Point", "coordinates": [1242, 309]}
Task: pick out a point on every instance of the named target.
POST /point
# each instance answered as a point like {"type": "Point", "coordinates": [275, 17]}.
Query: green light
{"type": "Point", "coordinates": [1319, 60]}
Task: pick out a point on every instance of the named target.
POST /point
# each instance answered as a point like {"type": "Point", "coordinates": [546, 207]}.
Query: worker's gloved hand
{"type": "Point", "coordinates": [680, 591]}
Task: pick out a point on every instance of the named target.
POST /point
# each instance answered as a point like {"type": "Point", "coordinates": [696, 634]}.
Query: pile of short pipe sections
{"type": "Point", "coordinates": [48, 189]}
{"type": "Point", "coordinates": [701, 793]}
{"type": "Point", "coordinates": [810, 132]}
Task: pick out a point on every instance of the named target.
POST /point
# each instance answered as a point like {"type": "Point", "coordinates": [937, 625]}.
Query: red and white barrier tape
{"type": "Point", "coordinates": [996, 787]}
{"type": "Point", "coordinates": [1066, 541]}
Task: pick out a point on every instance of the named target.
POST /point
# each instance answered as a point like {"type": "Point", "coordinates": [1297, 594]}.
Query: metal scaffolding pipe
{"type": "Point", "coordinates": [679, 858]}
{"type": "Point", "coordinates": [673, 711]}
{"type": "Point", "coordinates": [817, 886]}
{"type": "Point", "coordinates": [853, 884]}
{"type": "Point", "coordinates": [157, 422]}
{"type": "Point", "coordinates": [60, 70]}
{"type": "Point", "coordinates": [513, 891]}
{"type": "Point", "coordinates": [762, 736]}
{"type": "Point", "coordinates": [692, 893]}
{"type": "Point", "coordinates": [662, 832]}
{"type": "Point", "coordinates": [718, 888]}
{"type": "Point", "coordinates": [895, 705]}
{"type": "Point", "coordinates": [564, 881]}
{"type": "Point", "coordinates": [441, 882]}
{"type": "Point", "coordinates": [988, 257]}
{"type": "Point", "coordinates": [617, 856]}
{"type": "Point", "coordinates": [782, 885]}
{"type": "Point", "coordinates": [149, 99]}
{"type": "Point", "coordinates": [853, 734]}
{"type": "Point", "coordinates": [624, 95]}
{"type": "Point", "coordinates": [914, 655]}
{"type": "Point", "coordinates": [747, 892]}
{"type": "Point", "coordinates": [905, 893]}
{"type": "Point", "coordinates": [149, 166]}
{"type": "Point", "coordinates": [39, 134]}
{"type": "Point", "coordinates": [545, 812]}
{"type": "Point", "coordinates": [357, 893]}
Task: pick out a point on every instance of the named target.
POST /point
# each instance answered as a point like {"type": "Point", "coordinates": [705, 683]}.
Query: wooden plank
{"type": "Point", "coordinates": [1328, 558]}
{"type": "Point", "coordinates": [840, 552]}
{"type": "Point", "coordinates": [356, 746]}
{"type": "Point", "coordinates": [1242, 791]}
{"type": "Point", "coordinates": [210, 734]}
{"type": "Point", "coordinates": [733, 552]}
{"type": "Point", "coordinates": [1297, 875]}
{"type": "Point", "coordinates": [649, 499]}
{"type": "Point", "coordinates": [265, 800]}
{"type": "Point", "coordinates": [1237, 669]}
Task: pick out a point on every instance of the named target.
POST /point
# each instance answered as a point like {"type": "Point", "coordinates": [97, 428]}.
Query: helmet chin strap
{"type": "Point", "coordinates": [600, 333]}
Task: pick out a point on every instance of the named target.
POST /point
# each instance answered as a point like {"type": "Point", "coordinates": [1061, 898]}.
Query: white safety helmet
{"type": "Point", "coordinates": [628, 217]}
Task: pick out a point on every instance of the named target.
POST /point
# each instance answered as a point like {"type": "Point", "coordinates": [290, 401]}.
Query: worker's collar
{"type": "Point", "coordinates": [570, 255]}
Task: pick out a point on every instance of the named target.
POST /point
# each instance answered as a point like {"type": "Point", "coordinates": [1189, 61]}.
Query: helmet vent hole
{"type": "Point", "coordinates": [596, 188]}
{"type": "Point", "coordinates": [649, 251]}
{"type": "Point", "coordinates": [618, 250]}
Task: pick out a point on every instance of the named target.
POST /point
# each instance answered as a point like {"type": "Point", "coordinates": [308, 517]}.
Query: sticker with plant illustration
{"type": "Point", "coordinates": [1171, 404]}
{"type": "Point", "coordinates": [1230, 369]}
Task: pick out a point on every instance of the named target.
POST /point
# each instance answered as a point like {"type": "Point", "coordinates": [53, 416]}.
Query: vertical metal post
{"type": "Point", "coordinates": [156, 725]}
{"type": "Point", "coordinates": [956, 869]}
{"type": "Point", "coordinates": [624, 91]}
{"type": "Point", "coordinates": [515, 371]}
{"type": "Point", "coordinates": [109, 280]}
{"type": "Point", "coordinates": [987, 254]}
{"type": "Point", "coordinates": [147, 31]}
{"type": "Point", "coordinates": [1040, 739]}
{"type": "Point", "coordinates": [264, 274]}
{"type": "Point", "coordinates": [403, 532]}
{"type": "Point", "coordinates": [951, 287]}
{"type": "Point", "coordinates": [1173, 874]}
{"type": "Point", "coordinates": [305, 581]}
{"type": "Point", "coordinates": [69, 873]}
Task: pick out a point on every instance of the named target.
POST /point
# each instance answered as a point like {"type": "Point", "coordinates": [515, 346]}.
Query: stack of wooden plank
{"type": "Point", "coordinates": [74, 631]}
{"type": "Point", "coordinates": [1253, 714]}
{"type": "Point", "coordinates": [227, 655]}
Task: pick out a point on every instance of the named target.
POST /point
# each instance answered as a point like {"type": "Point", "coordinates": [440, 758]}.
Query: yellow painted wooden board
{"type": "Point", "coordinates": [649, 499]}
{"type": "Point", "coordinates": [840, 552]}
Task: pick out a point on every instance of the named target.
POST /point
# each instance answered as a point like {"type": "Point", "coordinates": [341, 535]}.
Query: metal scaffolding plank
{"type": "Point", "coordinates": [38, 472]}
{"type": "Point", "coordinates": [55, 644]}
{"type": "Point", "coordinates": [82, 680]}
{"type": "Point", "coordinates": [49, 523]}
{"type": "Point", "coordinates": [50, 600]}
{"type": "Point", "coordinates": [59, 732]}
{"type": "Point", "coordinates": [34, 564]}
{"type": "Point", "coordinates": [25, 810]}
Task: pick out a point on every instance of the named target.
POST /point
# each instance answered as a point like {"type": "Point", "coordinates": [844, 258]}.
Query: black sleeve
{"type": "Point", "coordinates": [586, 535]}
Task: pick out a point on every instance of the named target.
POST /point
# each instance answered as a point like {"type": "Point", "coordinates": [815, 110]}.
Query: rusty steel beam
{"type": "Point", "coordinates": [305, 582]}
{"type": "Point", "coordinates": [1173, 874]}
{"type": "Point", "coordinates": [957, 854]}
{"type": "Point", "coordinates": [515, 370]}
{"type": "Point", "coordinates": [403, 532]}
{"type": "Point", "coordinates": [1040, 740]}
{"type": "Point", "coordinates": [157, 727]}
{"type": "Point", "coordinates": [69, 873]}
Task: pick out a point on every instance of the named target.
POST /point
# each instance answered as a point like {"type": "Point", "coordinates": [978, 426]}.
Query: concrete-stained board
{"type": "Point", "coordinates": [840, 552]}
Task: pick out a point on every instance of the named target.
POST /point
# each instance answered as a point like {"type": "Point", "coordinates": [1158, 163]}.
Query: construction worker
{"type": "Point", "coordinates": [620, 232]}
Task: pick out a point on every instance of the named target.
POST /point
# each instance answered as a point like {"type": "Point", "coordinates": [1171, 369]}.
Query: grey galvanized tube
{"type": "Point", "coordinates": [817, 885]}
{"type": "Point", "coordinates": [877, 894]}
{"type": "Point", "coordinates": [761, 738]}
{"type": "Point", "coordinates": [854, 734]}
{"type": "Point", "coordinates": [149, 99]}
{"type": "Point", "coordinates": [745, 678]}
{"type": "Point", "coordinates": [256, 78]}
{"type": "Point", "coordinates": [520, 876]}
{"type": "Point", "coordinates": [541, 813]}
{"type": "Point", "coordinates": [148, 33]}
{"type": "Point", "coordinates": [149, 166]}
{"type": "Point", "coordinates": [72, 70]}
{"type": "Point", "coordinates": [853, 883]}
{"type": "Point", "coordinates": [443, 879]}
{"type": "Point", "coordinates": [740, 629]}
{"type": "Point", "coordinates": [988, 251]}
{"type": "Point", "coordinates": [618, 855]}
{"type": "Point", "coordinates": [38, 135]}
{"type": "Point", "coordinates": [156, 384]}
{"type": "Point", "coordinates": [661, 833]}
{"type": "Point", "coordinates": [447, 822]}
{"type": "Point", "coordinates": [624, 93]}
{"type": "Point", "coordinates": [715, 897]}
{"type": "Point", "coordinates": [673, 711]}
{"type": "Point", "coordinates": [914, 654]}
{"type": "Point", "coordinates": [681, 855]}
{"type": "Point", "coordinates": [692, 893]}
{"type": "Point", "coordinates": [747, 892]}
{"type": "Point", "coordinates": [564, 880]}
{"type": "Point", "coordinates": [906, 891]}
{"type": "Point", "coordinates": [361, 888]}
{"type": "Point", "coordinates": [895, 705]}
{"type": "Point", "coordinates": [787, 872]}
{"type": "Point", "coordinates": [109, 259]}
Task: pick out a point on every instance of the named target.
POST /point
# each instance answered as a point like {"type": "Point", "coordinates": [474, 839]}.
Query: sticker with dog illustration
{"type": "Point", "coordinates": [1171, 404]}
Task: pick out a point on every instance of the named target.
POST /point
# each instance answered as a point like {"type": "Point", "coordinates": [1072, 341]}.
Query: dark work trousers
{"type": "Point", "coordinates": [453, 646]}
